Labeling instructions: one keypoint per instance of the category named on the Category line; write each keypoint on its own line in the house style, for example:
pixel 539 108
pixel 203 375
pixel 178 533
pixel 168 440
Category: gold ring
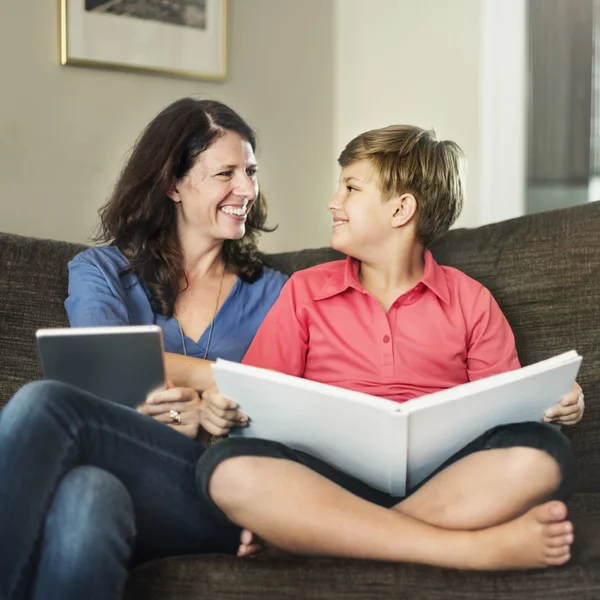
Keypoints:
pixel 175 417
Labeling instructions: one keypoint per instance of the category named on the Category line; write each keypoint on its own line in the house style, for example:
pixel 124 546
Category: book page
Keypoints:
pixel 359 434
pixel 438 430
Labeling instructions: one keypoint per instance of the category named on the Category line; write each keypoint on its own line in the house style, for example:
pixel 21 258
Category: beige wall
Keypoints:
pixel 308 76
pixel 65 130
pixel 458 66
pixel 416 62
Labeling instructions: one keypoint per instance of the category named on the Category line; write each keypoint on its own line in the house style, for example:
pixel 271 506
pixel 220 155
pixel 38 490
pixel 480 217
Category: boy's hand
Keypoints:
pixel 569 410
pixel 219 415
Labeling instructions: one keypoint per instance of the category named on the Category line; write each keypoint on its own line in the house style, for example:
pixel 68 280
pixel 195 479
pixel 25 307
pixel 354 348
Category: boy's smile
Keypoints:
pixel 337 221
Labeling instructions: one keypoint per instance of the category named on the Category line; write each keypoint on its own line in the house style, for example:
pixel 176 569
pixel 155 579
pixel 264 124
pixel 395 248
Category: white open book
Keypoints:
pixel 387 445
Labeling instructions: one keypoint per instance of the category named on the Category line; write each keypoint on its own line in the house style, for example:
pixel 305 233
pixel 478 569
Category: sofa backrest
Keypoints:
pixel 543 269
pixel 33 286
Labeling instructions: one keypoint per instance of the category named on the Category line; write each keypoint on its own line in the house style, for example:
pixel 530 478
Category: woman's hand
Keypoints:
pixel 218 414
pixel 569 410
pixel 178 407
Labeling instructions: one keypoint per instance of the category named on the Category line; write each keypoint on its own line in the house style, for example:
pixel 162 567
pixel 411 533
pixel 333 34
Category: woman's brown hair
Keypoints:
pixel 140 219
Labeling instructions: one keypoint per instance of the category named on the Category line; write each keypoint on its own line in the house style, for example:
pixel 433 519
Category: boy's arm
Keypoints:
pixel 491 347
pixel 492 351
pixel 281 343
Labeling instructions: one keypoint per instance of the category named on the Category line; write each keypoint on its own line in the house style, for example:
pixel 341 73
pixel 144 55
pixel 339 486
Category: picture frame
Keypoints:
pixel 179 38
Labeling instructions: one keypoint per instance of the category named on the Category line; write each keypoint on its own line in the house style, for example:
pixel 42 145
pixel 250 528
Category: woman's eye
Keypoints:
pixel 225 174
pixel 350 188
pixel 251 172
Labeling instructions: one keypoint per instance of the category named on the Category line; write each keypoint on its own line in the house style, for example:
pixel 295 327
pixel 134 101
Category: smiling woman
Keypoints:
pixel 180 251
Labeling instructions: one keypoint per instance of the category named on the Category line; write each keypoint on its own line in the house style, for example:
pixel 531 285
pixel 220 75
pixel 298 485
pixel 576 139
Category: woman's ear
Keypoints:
pixel 173 193
pixel 404 209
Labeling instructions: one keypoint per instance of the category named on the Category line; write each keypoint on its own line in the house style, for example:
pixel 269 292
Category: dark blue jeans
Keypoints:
pixel 88 488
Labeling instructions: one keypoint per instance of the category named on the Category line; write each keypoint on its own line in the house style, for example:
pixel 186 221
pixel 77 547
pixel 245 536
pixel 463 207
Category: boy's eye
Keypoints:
pixel 350 188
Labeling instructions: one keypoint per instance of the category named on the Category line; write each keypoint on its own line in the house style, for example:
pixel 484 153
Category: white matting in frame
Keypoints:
pixel 187 41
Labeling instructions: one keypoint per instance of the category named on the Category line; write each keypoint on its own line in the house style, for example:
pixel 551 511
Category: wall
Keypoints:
pixel 401 61
pixel 503 117
pixel 65 130
pixel 455 66
pixel 308 76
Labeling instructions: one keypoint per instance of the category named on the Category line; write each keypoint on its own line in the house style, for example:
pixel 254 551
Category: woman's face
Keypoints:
pixel 216 194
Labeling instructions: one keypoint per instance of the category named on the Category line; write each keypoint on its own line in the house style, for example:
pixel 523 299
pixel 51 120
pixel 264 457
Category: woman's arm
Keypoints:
pixel 187 371
pixel 93 300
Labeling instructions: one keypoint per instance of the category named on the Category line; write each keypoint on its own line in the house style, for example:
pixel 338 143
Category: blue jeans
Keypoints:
pixel 89 488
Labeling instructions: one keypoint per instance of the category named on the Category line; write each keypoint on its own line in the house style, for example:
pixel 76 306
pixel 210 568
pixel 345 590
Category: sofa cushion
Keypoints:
pixel 218 577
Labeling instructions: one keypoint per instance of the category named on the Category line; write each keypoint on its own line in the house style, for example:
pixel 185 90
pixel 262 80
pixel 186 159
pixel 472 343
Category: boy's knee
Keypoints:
pixel 230 472
pixel 539 450
pixel 533 464
pixel 233 479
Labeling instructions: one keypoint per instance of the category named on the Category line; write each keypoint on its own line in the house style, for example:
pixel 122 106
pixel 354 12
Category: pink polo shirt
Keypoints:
pixel 325 326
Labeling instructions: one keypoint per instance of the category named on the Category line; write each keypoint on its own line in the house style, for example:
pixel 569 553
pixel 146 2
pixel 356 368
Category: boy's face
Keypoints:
pixel 361 220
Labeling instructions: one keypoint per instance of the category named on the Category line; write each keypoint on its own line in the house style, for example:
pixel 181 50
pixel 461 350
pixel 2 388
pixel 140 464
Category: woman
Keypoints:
pixel 90 487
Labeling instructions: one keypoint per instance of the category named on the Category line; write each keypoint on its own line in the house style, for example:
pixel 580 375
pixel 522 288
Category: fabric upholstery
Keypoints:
pixel 281 576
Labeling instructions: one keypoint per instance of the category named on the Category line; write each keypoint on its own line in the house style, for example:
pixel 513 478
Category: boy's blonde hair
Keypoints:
pixel 409 159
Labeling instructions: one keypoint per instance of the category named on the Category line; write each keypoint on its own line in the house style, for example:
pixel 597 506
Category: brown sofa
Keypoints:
pixel 544 270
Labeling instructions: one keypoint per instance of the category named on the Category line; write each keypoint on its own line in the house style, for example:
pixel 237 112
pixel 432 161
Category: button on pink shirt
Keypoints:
pixel 325 326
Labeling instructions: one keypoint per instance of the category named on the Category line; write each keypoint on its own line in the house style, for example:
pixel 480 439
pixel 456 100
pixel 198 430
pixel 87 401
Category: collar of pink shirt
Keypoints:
pixel 341 280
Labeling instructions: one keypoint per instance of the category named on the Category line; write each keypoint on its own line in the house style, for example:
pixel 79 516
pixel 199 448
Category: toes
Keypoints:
pixel 558 552
pixel 560 540
pixel 550 512
pixel 255 549
pixel 249 550
pixel 246 537
pixel 558 529
pixel 558 560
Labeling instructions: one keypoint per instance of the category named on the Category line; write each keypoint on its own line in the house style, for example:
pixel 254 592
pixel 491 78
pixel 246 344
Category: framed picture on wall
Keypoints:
pixel 184 38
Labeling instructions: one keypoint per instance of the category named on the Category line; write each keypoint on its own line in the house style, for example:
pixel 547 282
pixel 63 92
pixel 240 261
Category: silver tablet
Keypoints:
pixel 122 364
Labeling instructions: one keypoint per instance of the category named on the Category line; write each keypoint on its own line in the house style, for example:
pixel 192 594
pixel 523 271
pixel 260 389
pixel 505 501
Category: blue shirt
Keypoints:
pixel 98 295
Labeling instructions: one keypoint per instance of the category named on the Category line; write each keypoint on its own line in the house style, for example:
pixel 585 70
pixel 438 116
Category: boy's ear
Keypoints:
pixel 403 208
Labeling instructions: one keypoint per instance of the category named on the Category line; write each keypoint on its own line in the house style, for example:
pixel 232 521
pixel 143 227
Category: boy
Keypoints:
pixel 389 321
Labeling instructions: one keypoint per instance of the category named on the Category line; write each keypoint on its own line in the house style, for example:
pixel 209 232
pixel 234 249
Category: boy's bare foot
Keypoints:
pixel 250 544
pixel 542 537
pixel 538 539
